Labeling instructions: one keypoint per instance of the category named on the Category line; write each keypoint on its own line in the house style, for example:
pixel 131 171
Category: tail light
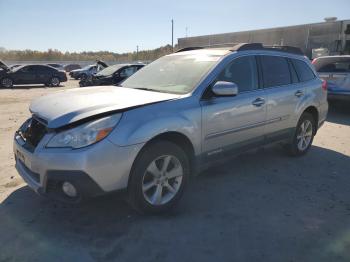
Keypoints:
pixel 324 85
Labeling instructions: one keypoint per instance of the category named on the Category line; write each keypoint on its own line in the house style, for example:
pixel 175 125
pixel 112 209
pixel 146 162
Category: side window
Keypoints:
pixel 128 71
pixel 24 69
pixel 42 69
pixel 303 70
pixel 275 71
pixel 243 72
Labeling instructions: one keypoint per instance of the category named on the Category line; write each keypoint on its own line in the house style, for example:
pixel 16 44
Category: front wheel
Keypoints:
pixel 158 177
pixel 6 82
pixel 303 135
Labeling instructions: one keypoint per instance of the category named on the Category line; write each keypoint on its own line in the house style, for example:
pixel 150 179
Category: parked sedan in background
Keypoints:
pixel 112 75
pixel 31 74
pixel 336 71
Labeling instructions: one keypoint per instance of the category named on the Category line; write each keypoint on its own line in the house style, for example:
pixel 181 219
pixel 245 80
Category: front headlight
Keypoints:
pixel 86 134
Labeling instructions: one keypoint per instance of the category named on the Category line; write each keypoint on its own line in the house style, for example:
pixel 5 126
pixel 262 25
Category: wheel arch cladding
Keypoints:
pixel 176 138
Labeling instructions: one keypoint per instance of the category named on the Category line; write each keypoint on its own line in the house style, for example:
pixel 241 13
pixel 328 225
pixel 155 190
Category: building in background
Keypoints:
pixel 330 37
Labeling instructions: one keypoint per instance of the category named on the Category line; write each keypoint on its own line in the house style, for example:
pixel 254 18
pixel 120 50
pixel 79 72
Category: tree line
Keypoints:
pixel 56 55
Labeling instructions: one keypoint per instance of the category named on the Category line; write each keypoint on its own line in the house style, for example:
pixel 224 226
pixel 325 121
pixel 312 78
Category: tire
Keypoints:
pixel 6 82
pixel 302 140
pixel 83 77
pixel 157 192
pixel 54 81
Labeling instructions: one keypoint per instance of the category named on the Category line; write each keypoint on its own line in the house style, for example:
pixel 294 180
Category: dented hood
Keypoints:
pixel 68 106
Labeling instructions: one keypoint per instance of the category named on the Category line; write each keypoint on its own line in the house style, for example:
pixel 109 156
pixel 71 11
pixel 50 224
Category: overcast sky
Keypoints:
pixel 120 26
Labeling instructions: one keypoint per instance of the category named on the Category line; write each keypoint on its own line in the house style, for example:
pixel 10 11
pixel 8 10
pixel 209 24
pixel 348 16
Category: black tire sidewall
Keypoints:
pixel 145 157
pixel 294 145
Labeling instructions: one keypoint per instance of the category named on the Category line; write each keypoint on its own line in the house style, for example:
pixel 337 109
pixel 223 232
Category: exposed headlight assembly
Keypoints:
pixel 85 134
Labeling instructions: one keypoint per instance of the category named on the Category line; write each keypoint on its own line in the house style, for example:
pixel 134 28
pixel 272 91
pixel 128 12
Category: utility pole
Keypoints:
pixel 186 31
pixel 137 52
pixel 172 34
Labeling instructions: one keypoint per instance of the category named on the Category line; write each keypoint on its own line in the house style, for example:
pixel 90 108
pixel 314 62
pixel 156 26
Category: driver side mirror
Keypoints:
pixel 223 88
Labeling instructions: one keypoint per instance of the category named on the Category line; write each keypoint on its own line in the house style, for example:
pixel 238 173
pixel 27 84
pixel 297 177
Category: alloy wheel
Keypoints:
pixel 304 135
pixel 162 180
pixel 6 82
pixel 55 81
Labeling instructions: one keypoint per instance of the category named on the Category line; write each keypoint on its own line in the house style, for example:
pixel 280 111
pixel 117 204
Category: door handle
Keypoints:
pixel 258 102
pixel 299 93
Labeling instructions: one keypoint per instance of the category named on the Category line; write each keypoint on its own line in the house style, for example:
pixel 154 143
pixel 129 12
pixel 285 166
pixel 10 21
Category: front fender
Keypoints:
pixel 141 127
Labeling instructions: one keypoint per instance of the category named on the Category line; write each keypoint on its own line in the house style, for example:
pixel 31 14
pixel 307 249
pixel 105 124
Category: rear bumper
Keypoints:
pixel 343 96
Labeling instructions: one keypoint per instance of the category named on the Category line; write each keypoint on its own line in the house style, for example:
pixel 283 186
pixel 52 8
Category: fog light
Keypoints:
pixel 69 189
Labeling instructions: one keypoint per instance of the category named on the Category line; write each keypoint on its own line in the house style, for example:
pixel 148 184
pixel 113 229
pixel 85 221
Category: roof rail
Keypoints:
pixel 288 49
pixel 260 46
pixel 205 46
pixel 249 46
pixel 189 49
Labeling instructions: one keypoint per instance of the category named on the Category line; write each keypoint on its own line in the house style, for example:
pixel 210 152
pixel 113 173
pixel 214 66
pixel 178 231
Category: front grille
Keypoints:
pixel 32 132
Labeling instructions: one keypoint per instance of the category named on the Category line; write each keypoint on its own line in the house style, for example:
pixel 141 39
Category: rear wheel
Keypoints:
pixel 158 177
pixel 6 82
pixel 303 136
pixel 54 81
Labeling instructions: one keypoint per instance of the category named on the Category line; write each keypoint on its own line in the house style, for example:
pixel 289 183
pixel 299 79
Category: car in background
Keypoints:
pixel 111 75
pixel 31 74
pixel 71 67
pixel 87 71
pixel 57 66
pixel 336 71
pixel 84 72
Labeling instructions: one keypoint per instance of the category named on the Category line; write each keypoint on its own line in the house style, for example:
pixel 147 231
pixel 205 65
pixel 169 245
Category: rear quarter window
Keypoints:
pixel 304 72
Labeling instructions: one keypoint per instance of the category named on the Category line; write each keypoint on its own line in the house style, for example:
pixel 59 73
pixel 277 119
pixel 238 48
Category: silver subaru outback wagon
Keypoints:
pixel 168 121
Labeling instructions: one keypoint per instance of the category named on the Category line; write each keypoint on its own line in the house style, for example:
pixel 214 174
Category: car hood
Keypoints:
pixel 68 106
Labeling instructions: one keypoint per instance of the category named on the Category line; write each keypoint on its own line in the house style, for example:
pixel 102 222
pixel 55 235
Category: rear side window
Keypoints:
pixel 303 70
pixel 275 71
pixel 43 69
pixel 243 72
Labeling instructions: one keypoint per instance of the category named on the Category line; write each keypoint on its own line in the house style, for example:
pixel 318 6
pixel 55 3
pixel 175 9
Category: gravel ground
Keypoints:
pixel 260 206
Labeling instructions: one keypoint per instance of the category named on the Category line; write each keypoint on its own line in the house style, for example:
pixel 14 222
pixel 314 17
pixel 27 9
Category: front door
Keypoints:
pixel 231 123
pixel 25 75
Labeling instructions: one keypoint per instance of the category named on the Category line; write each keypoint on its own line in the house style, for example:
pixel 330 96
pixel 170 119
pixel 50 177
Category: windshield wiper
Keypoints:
pixel 149 89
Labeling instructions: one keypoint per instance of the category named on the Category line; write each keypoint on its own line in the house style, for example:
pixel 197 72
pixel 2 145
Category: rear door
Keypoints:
pixel 234 122
pixel 284 93
pixel 43 74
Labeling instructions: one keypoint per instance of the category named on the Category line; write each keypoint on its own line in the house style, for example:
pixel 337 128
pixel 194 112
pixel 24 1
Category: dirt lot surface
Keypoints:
pixel 260 206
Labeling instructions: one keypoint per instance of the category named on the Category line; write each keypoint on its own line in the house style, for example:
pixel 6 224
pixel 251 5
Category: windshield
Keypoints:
pixel 109 70
pixel 177 74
